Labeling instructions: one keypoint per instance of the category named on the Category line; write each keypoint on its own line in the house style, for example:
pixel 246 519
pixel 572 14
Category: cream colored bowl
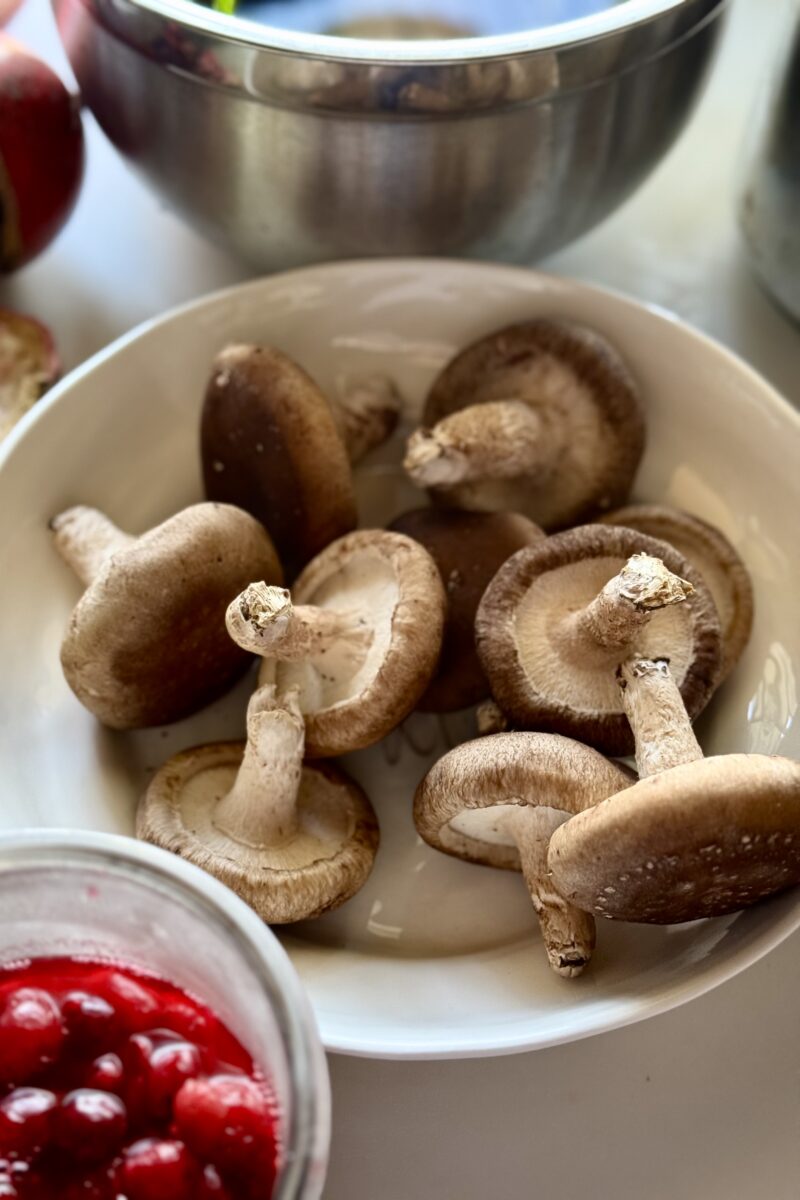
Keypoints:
pixel 434 957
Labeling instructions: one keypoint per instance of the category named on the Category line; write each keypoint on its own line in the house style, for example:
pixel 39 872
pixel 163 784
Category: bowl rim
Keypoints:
pixel 614 19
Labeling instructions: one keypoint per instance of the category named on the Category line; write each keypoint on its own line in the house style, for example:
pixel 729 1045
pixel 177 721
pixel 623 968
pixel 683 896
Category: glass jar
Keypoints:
pixel 105 897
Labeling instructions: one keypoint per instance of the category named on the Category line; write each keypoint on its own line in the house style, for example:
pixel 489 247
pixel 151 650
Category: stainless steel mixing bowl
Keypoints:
pixel 296 147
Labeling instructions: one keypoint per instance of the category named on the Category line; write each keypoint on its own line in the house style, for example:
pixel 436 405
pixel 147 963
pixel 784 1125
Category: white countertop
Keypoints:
pixel 700 1104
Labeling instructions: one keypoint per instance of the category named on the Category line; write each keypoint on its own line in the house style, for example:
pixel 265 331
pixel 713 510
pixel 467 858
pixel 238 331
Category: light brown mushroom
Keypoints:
pixel 359 637
pixel 293 839
pixel 468 548
pixel 273 444
pixel 497 801
pixel 146 643
pixel 541 418
pixel 707 549
pixel 559 616
pixel 695 837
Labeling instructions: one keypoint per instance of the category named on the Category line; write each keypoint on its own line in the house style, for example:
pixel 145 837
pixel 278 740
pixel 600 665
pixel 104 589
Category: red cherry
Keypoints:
pixel 90 1125
pixel 92 1023
pixel 158 1169
pixel 187 1020
pixel 170 1067
pixel 106 1074
pixel 227 1121
pixel 137 1006
pixel 26 1120
pixel 31 1034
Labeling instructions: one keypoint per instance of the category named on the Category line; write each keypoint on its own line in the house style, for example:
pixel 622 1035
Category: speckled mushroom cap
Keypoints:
pixel 589 428
pixel 376 583
pixel 468 549
pixel 461 804
pixel 295 840
pixel 270 444
pixel 702 839
pixel 146 644
pixel 707 549
pixel 542 679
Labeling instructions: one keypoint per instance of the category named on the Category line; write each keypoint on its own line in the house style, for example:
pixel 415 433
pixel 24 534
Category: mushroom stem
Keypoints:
pixel 611 621
pixel 260 810
pixel 654 707
pixel 501 439
pixel 567 931
pixel 367 415
pixel 490 718
pixel 264 621
pixel 86 538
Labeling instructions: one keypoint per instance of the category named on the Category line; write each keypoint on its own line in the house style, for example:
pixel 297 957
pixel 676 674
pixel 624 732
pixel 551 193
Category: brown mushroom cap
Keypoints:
pixel 384 584
pixel 287 875
pixel 460 804
pixel 497 801
pixel 146 643
pixel 702 839
pixel 707 549
pixel 539 678
pixel 468 549
pixel 270 444
pixel 592 427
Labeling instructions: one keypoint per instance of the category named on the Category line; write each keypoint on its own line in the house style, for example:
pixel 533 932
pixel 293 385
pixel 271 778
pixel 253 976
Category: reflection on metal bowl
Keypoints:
pixel 292 147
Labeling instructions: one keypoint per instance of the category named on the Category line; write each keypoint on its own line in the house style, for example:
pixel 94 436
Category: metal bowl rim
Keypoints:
pixel 616 19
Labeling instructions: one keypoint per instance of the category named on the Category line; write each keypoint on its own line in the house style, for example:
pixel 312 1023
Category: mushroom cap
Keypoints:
pixel 317 870
pixel 575 379
pixel 270 444
pixel 711 553
pixel 700 840
pixel 392 582
pixel 147 643
pixel 468 549
pixel 460 805
pixel 538 685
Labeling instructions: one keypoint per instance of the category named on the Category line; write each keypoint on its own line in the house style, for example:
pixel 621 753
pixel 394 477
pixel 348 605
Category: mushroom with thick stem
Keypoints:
pixel 468 549
pixel 273 444
pixel 541 418
pixel 359 636
pixel 557 618
pixel 695 837
pixel 293 839
pixel 707 549
pixel 146 643
pixel 497 801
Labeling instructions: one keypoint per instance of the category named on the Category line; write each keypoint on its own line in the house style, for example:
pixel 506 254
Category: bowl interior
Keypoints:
pixel 433 957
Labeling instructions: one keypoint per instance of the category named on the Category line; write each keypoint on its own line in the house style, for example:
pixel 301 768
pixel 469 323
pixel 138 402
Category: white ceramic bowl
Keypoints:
pixel 434 957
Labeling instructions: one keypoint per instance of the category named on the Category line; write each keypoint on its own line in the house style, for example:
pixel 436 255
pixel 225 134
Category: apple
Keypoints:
pixel 41 154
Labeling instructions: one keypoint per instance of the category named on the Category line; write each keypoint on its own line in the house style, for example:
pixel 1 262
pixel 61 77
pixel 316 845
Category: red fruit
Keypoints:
pixel 136 1004
pixel 158 1169
pixel 169 1068
pixel 92 1022
pixel 226 1120
pixel 28 365
pixel 41 154
pixel 90 1126
pixel 31 1034
pixel 190 1022
pixel 106 1074
pixel 25 1121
